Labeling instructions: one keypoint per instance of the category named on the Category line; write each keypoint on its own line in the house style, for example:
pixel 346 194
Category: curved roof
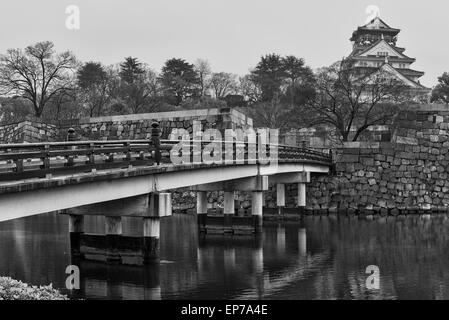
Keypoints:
pixel 377 25
pixel 378 42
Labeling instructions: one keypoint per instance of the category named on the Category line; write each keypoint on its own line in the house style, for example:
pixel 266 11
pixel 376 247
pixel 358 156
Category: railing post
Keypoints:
pixel 19 165
pixel 156 139
pixel 257 147
pixel 92 153
pixel 128 151
pixel 71 137
pixel 71 134
pixel 47 160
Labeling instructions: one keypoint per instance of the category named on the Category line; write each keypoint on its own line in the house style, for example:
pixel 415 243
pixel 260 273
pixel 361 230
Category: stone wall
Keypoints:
pixel 184 200
pixel 133 126
pixel 411 172
pixel 324 137
pixel 138 126
pixel 28 131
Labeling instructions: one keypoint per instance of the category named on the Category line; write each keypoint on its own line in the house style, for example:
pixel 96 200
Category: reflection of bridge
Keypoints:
pixel 121 178
pixel 232 267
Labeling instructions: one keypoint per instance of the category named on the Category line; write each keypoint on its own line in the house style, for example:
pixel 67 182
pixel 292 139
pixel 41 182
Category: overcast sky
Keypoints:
pixel 231 34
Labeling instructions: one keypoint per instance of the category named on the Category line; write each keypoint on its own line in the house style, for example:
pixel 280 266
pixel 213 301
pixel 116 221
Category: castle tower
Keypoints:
pixel 374 46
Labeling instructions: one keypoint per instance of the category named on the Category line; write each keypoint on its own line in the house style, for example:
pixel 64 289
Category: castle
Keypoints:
pixel 374 48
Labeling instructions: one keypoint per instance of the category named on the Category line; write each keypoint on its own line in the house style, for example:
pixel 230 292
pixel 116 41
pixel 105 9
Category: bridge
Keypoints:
pixel 134 178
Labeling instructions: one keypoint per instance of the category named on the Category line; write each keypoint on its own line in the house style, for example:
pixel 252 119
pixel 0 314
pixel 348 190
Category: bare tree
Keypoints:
pixel 37 73
pixel 223 83
pixel 272 114
pixel 203 70
pixel 63 105
pixel 351 98
pixel 249 90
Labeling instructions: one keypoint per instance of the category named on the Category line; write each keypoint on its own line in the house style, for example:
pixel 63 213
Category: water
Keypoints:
pixel 318 258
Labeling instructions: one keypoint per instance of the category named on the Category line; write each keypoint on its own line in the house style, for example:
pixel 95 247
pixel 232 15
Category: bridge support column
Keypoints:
pixel 160 206
pixel 76 229
pixel 229 210
pixel 280 197
pixel 257 209
pixel 113 226
pixel 201 209
pixel 301 194
pixel 151 235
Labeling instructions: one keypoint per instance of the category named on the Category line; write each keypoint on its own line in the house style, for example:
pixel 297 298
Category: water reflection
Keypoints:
pixel 317 258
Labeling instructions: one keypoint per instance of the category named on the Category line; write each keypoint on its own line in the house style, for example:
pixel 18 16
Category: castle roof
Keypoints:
pixel 370 71
pixel 377 25
pixel 386 46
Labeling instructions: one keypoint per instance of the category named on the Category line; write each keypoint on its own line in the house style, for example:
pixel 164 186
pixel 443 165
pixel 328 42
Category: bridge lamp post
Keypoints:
pixel 71 136
pixel 156 139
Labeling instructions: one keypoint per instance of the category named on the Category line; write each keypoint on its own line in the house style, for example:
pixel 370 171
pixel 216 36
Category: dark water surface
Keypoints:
pixel 317 258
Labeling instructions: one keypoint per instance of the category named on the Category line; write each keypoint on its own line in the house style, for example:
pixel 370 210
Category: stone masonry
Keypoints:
pixel 409 173
pixel 138 126
pixel 28 131
pixel 133 126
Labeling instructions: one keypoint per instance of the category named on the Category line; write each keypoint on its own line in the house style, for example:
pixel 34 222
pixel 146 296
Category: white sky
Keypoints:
pixel 231 34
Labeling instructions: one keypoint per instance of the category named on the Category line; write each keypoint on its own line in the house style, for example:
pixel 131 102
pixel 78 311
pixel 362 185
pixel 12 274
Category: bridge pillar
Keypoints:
pixel 229 210
pixel 151 235
pixel 160 206
pixel 301 194
pixel 76 229
pixel 113 228
pixel 280 197
pixel 257 209
pixel 201 209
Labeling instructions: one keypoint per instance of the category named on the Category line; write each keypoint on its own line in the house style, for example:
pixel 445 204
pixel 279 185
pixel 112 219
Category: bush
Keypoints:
pixel 11 289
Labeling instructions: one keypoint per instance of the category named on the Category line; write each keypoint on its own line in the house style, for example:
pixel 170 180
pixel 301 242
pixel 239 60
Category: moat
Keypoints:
pixel 319 257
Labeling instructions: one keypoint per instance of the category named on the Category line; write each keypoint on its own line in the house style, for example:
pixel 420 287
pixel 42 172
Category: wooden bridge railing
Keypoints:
pixel 37 160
